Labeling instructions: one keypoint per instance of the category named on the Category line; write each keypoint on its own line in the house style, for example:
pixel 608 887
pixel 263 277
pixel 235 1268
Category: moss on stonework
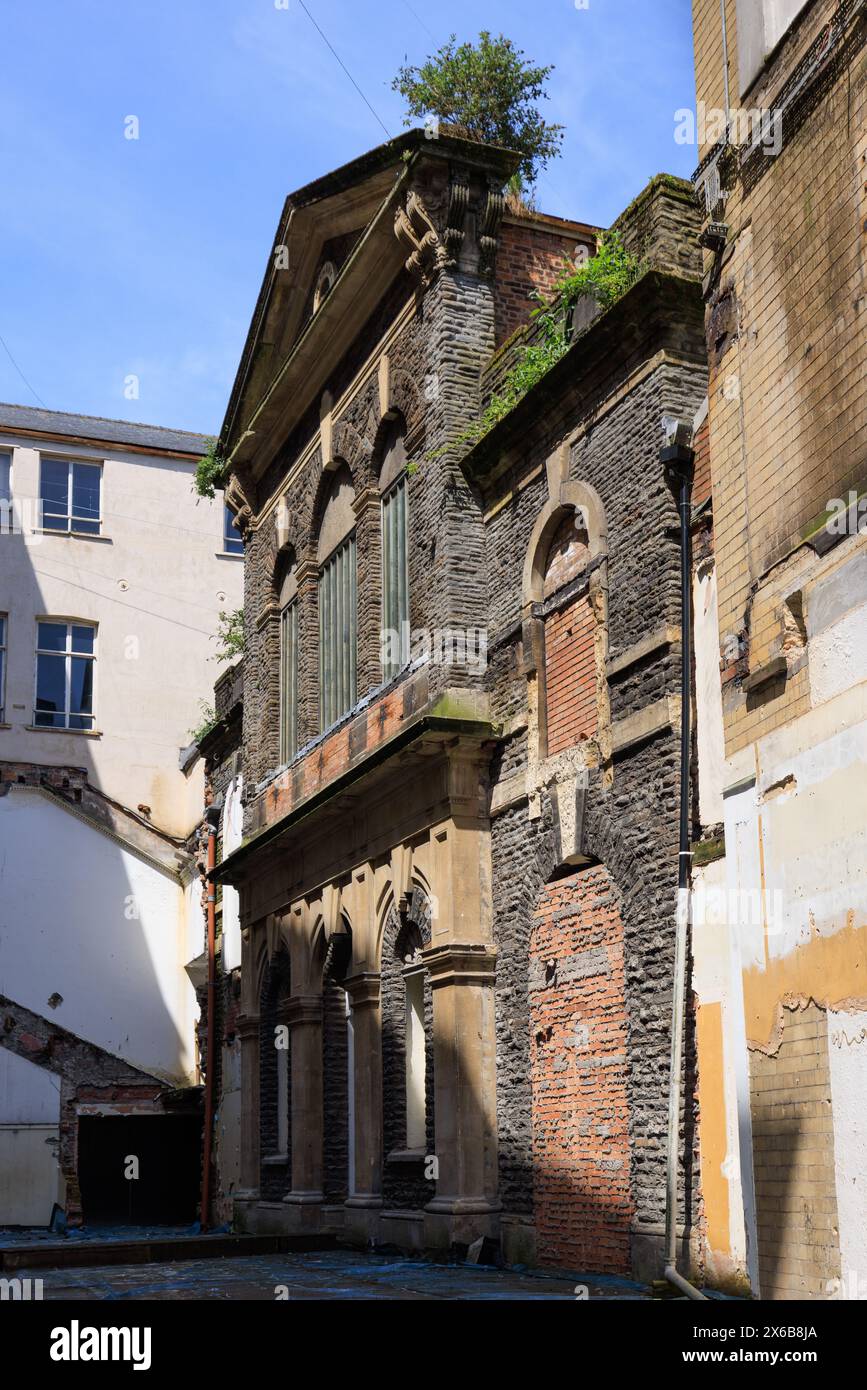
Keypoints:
pixel 454 706
pixel 707 851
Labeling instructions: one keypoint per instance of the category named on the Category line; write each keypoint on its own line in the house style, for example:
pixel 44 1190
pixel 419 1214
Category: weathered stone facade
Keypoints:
pixel 784 203
pixel 421 835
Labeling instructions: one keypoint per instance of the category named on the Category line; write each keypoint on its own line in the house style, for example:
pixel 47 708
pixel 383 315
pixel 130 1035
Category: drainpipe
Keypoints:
pixel 212 816
pixel 725 59
pixel 678 457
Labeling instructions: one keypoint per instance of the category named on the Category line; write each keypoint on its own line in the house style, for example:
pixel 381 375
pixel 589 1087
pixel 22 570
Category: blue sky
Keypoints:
pixel 144 257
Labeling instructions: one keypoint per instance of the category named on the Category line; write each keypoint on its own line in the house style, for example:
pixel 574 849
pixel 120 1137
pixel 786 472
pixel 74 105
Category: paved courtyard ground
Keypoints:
pixel 318 1275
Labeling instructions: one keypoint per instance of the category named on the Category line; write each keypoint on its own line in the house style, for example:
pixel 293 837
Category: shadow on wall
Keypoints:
pixel 571 1165
pixel 90 927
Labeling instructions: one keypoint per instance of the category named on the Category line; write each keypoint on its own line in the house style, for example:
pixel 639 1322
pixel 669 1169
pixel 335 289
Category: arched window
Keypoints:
pixel 394 637
pixel 275 1079
pixel 338 1080
pixel 407 1053
pixel 324 283
pixel 288 602
pixel 337 602
pixel 416 1107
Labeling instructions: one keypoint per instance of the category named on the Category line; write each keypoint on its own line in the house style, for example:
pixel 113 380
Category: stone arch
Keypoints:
pixel 348 446
pixel 572 497
pixel 324 284
pixel 336 475
pixel 283 573
pixel 393 422
pixel 405 396
pixel 405 987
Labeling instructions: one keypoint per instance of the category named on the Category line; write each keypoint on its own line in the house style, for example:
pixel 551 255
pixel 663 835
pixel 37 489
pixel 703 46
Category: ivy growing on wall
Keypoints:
pixel 230 635
pixel 606 277
pixel 210 470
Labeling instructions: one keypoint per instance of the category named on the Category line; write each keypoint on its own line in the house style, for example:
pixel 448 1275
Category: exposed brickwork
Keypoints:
pixel 470 531
pixel 532 257
pixel 787 336
pixel 578 1057
pixel 793 1158
pixel 570 675
pixel 86 1073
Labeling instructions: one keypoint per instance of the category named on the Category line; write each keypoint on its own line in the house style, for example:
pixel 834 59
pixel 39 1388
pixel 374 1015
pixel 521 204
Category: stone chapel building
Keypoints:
pixel 458 876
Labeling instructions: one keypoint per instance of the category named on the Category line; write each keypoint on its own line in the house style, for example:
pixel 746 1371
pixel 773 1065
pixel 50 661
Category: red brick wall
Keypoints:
pixel 701 486
pixel 581 1156
pixel 570 675
pixel 529 257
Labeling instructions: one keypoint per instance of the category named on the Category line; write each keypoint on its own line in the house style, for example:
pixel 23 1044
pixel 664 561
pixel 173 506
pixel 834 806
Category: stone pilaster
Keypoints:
pixel 248 1032
pixel 304 1017
pixel 364 991
pixel 462 976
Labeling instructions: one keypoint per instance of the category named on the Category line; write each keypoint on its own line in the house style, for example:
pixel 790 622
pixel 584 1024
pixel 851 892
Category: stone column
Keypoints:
pixel 368 533
pixel 304 1016
pixel 307 577
pixel 462 977
pixel 248 1032
pixel 364 991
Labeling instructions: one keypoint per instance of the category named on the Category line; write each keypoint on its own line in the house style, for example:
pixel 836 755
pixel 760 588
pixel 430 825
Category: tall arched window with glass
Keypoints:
pixel 337 602
pixel 395 636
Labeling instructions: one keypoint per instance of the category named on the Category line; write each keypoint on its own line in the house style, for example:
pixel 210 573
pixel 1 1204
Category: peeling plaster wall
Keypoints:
pixel 98 926
pixel 29 1139
pixel 708 697
pixel 847 1052
pixel 722 1079
pixel 796 835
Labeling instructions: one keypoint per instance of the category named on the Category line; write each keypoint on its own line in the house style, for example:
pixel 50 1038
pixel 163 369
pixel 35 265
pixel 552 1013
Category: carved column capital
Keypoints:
pixel 460 963
pixel 364 990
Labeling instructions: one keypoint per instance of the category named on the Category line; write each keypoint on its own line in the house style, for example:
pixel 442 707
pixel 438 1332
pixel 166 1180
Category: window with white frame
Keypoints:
pixel 761 24
pixel 3 621
pixel 5 477
pixel 65 660
pixel 70 493
pixel 232 541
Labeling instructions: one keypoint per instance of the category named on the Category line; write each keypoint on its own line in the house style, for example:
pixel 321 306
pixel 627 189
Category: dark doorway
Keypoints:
pixel 168 1150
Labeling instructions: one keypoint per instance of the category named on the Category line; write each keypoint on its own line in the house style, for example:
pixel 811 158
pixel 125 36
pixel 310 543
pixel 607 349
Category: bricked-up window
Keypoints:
pixel 3 622
pixel 570 641
pixel 70 493
pixel 337 634
pixel 65 661
pixel 232 542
